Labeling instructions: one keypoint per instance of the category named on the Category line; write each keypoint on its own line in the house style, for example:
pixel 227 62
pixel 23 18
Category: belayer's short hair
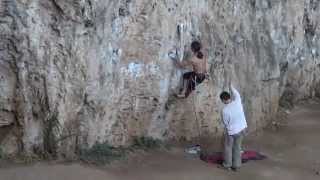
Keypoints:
pixel 224 96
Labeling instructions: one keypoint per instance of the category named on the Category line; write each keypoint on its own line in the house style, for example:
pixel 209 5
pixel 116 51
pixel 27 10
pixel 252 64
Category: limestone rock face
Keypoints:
pixel 75 72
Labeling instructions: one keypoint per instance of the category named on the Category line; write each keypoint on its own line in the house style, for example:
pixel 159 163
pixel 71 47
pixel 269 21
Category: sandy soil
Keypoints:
pixel 293 154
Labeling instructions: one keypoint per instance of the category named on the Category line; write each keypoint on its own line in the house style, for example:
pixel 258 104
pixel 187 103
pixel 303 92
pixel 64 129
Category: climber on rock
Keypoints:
pixel 199 69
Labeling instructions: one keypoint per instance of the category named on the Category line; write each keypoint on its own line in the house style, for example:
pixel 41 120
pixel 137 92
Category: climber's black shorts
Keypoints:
pixel 193 79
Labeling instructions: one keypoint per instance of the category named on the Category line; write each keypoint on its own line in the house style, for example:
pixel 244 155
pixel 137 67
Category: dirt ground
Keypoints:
pixel 293 154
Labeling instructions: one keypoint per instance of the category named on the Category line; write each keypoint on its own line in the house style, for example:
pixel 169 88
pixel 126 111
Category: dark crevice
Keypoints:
pixel 57 7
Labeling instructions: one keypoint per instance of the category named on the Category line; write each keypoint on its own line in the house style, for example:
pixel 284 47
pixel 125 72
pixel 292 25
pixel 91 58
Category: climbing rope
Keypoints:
pixel 194 108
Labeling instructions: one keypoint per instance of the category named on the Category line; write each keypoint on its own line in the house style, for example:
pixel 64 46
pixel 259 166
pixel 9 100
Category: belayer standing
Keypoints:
pixel 235 123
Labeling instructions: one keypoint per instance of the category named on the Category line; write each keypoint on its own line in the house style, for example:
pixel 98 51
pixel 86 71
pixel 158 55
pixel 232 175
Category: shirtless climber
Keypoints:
pixel 198 73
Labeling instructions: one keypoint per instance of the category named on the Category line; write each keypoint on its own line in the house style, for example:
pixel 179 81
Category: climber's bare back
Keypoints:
pixel 198 65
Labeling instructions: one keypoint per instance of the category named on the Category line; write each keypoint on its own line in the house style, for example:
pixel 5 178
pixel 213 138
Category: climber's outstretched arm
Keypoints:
pixel 180 64
pixel 235 93
pixel 174 57
pixel 206 64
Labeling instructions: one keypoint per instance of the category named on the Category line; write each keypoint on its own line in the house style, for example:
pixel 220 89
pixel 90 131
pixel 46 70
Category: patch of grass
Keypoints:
pixel 102 153
pixel 1 153
pixel 25 159
pixel 147 143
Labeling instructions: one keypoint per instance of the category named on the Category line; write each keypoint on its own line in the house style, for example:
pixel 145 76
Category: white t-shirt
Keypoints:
pixel 233 115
